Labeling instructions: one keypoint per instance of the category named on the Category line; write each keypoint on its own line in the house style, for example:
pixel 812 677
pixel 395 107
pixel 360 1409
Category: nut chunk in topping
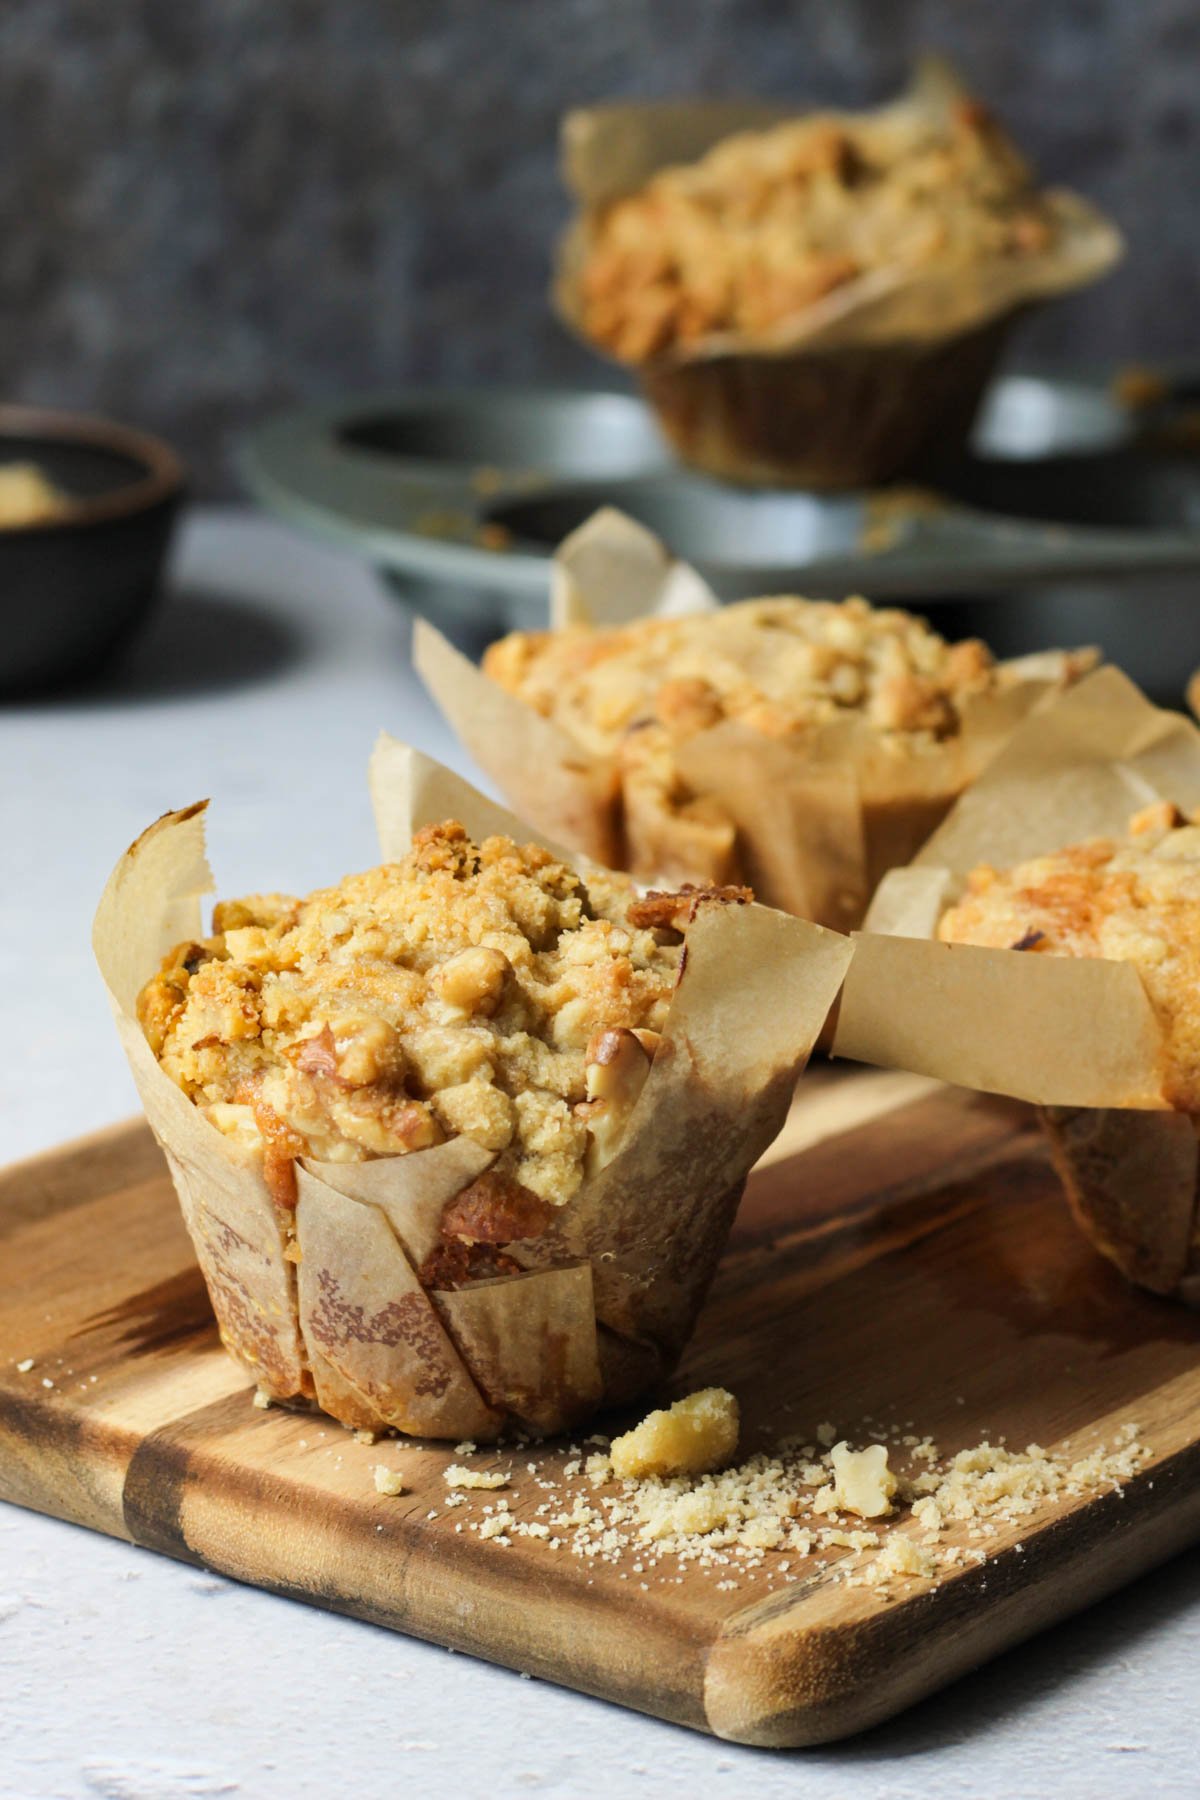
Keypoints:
pixel 693 1437
pixel 1136 901
pixel 464 991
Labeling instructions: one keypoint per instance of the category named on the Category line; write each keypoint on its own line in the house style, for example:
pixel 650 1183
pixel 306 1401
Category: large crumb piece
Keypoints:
pixel 862 1482
pixel 458 1477
pixel 694 1437
pixel 388 1481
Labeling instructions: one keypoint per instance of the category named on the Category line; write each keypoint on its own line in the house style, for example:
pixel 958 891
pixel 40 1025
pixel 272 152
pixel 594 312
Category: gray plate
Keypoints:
pixel 460 497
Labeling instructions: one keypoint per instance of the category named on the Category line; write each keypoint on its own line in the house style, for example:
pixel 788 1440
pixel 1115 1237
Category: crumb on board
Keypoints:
pixel 25 1365
pixel 791 1514
pixel 696 1436
pixel 456 1476
pixel 262 1399
pixel 862 1482
pixel 388 1481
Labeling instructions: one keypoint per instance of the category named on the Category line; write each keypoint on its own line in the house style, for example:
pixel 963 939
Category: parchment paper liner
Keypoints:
pixel 1076 1036
pixel 848 417
pixel 611 1290
pixel 900 354
pixel 812 824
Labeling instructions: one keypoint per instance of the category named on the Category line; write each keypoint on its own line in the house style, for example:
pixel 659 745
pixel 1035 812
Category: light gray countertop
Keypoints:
pixel 128 1677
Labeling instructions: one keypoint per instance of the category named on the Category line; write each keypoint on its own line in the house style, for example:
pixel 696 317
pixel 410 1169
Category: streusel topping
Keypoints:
pixel 1134 901
pixel 769 222
pixel 481 990
pixel 781 666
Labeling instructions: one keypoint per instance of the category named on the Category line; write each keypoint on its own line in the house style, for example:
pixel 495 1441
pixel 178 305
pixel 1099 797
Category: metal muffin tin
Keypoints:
pixel 459 497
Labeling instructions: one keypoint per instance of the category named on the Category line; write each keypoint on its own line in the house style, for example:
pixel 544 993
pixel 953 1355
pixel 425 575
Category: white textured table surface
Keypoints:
pixel 129 1677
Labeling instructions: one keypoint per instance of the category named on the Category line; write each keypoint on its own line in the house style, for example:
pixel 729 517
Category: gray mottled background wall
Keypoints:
pixel 212 207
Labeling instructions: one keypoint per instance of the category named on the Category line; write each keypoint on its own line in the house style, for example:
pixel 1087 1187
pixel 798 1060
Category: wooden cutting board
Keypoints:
pixel 902 1253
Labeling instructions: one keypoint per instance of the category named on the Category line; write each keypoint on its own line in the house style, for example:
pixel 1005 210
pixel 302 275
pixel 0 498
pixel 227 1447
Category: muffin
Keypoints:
pixel 816 300
pixel 1044 944
pixel 458 1139
pixel 1131 1178
pixel 801 746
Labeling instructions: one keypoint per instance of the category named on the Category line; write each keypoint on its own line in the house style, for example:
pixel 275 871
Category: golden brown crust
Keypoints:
pixel 768 223
pixel 1133 901
pixel 679 708
pixel 780 666
pixel 453 993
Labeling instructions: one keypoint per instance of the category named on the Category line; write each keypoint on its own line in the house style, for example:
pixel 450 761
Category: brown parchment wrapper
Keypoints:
pixel 861 385
pixel 811 824
pixel 1076 1036
pixel 323 1304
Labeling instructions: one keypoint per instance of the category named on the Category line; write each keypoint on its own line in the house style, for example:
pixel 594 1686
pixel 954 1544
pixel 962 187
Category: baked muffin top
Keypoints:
pixel 1134 900
pixel 768 222
pixel 779 666
pixel 482 990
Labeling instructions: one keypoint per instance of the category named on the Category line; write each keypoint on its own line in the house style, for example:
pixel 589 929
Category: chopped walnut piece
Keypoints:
pixel 1160 815
pixel 473 981
pixel 618 1062
pixel 862 1482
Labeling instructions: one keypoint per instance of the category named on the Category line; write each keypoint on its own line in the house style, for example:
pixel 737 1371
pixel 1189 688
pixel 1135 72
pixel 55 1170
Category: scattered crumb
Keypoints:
pixel 696 1436
pixel 23 1368
pixel 363 1436
pixel 466 1448
pixel 826 1435
pixel 767 1520
pixel 388 1481
pixel 900 1556
pixel 458 1477
pixel 262 1399
pixel 46 1382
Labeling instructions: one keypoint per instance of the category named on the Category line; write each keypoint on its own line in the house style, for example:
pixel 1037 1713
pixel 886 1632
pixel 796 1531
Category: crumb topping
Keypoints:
pixel 770 222
pixel 475 990
pixel 1136 900
pixel 780 666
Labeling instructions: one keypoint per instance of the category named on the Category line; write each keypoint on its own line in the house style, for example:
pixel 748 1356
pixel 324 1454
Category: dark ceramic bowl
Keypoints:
pixel 74 588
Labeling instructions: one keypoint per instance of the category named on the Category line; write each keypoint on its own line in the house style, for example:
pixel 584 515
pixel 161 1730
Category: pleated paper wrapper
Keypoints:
pixel 1077 1036
pixel 811 824
pixel 322 1304
pixel 858 386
